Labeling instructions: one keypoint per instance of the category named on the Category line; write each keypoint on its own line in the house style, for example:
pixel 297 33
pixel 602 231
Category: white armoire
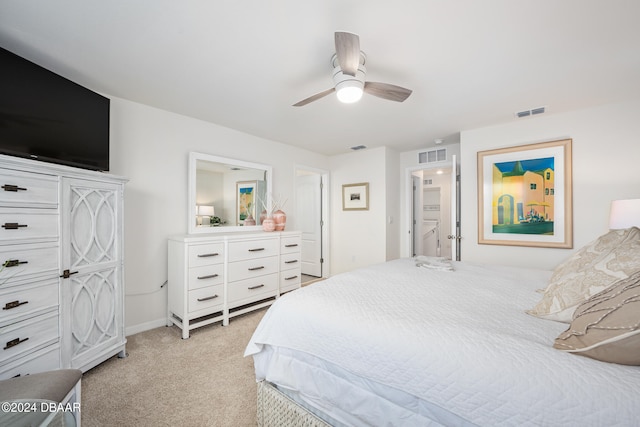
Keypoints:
pixel 62 278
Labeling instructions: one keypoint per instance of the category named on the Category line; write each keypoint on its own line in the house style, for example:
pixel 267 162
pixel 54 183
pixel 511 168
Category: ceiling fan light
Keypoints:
pixel 349 91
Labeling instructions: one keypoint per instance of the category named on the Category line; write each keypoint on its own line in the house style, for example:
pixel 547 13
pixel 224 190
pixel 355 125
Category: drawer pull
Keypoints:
pixel 207 298
pixel 14 304
pixel 66 274
pixel 14 262
pixel 293 261
pixel 291 245
pixel 255 268
pixel 11 187
pixel 256 250
pixel 207 255
pixel 255 287
pixel 291 277
pixel 12 225
pixel 209 276
pixel 14 343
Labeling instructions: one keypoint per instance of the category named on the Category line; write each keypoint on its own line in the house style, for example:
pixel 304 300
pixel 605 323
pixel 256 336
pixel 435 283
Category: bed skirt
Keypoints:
pixel 277 410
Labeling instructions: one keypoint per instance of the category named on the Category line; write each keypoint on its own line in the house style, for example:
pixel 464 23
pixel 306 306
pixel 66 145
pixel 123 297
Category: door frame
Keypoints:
pixel 326 208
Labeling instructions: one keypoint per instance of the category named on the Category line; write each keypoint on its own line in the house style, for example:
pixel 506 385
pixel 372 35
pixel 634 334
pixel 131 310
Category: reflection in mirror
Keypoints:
pixel 226 194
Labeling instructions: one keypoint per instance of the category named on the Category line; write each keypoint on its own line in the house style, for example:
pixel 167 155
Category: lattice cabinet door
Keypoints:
pixel 92 291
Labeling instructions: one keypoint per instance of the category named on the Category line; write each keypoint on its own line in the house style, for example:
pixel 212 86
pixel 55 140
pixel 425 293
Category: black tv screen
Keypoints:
pixel 47 117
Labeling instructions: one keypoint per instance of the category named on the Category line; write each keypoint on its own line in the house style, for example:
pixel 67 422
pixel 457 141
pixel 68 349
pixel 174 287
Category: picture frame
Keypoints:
pixel 246 201
pixel 355 197
pixel 525 195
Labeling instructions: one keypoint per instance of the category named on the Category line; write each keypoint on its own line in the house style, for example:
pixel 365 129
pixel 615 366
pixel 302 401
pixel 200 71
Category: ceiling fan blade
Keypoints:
pixel 314 97
pixel 387 91
pixel 348 52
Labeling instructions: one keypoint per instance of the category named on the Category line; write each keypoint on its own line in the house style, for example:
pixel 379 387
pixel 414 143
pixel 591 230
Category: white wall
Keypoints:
pixel 606 156
pixel 151 148
pixel 358 238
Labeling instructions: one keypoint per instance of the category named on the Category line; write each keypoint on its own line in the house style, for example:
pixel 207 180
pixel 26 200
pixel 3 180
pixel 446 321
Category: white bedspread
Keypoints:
pixel 455 347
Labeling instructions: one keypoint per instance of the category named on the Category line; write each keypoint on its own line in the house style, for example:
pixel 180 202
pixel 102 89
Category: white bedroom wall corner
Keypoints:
pixel 605 153
pixel 393 197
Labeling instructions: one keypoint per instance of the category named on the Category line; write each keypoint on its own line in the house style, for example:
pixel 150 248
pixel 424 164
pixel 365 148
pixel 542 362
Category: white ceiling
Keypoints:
pixel 243 63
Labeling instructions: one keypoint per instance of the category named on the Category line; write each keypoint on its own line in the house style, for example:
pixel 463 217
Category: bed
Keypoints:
pixel 405 343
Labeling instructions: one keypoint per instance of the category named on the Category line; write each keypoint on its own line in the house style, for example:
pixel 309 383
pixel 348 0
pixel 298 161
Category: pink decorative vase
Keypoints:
pixel 263 215
pixel 249 221
pixel 268 224
pixel 280 219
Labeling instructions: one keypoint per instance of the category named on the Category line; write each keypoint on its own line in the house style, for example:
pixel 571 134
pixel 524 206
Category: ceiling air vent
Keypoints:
pixel 359 147
pixel 433 156
pixel 531 112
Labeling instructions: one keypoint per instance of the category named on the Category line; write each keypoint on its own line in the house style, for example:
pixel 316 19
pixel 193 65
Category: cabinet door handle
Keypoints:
pixel 255 268
pixel 14 304
pixel 292 245
pixel 14 343
pixel 256 250
pixel 14 262
pixel 66 274
pixel 255 287
pixel 12 225
pixel 11 187
pixel 210 276
pixel 207 298
pixel 293 261
pixel 291 277
pixel 207 255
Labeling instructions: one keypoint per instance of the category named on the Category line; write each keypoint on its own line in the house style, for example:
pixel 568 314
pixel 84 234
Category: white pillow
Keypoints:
pixel 595 267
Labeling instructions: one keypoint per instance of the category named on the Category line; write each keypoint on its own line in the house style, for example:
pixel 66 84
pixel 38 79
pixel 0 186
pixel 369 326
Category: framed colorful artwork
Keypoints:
pixel 355 197
pixel 524 195
pixel 246 201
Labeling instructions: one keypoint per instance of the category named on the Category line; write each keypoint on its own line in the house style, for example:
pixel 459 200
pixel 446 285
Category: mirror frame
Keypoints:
pixel 194 157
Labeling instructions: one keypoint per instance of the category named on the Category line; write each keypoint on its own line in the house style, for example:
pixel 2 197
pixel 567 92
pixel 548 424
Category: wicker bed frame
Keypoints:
pixel 277 410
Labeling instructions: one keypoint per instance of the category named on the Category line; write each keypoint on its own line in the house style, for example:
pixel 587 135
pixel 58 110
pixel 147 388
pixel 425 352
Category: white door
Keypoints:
pixel 309 220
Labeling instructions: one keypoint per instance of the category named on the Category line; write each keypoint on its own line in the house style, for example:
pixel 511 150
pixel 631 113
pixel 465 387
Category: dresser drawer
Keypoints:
pixel 211 253
pixel 290 280
pixel 19 302
pixel 241 270
pixel 242 250
pixel 28 224
pixel 24 261
pixel 208 275
pixel 22 337
pixel 290 261
pixel 22 189
pixel 46 359
pixel 290 245
pixel 211 297
pixel 251 289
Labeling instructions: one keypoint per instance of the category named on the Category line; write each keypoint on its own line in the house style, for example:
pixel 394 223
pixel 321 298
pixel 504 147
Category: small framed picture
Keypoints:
pixel 355 197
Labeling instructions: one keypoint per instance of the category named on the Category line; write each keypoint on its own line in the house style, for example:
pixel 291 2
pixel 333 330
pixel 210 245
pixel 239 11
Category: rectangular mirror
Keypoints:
pixel 226 194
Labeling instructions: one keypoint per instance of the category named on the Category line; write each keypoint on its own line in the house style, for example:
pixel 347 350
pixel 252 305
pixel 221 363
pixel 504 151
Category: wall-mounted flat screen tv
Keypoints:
pixel 47 117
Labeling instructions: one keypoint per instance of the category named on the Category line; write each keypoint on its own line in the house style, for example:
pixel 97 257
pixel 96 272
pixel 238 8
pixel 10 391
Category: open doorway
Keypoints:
pixel 311 219
pixel 434 213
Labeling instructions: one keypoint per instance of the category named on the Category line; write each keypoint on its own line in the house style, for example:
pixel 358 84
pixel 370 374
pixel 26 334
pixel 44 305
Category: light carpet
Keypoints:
pixel 168 381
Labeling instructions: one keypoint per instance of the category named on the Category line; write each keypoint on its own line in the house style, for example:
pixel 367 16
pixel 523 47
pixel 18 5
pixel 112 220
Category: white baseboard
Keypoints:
pixel 135 329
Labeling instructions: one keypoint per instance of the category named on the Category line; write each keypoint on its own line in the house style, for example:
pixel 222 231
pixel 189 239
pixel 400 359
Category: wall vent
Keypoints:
pixel 427 182
pixel 531 112
pixel 432 156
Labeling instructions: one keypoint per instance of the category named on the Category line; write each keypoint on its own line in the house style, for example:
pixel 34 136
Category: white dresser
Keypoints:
pixel 215 277
pixel 61 284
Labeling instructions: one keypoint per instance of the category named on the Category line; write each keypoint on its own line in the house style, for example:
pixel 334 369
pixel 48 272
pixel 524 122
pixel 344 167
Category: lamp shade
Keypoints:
pixel 624 214
pixel 205 210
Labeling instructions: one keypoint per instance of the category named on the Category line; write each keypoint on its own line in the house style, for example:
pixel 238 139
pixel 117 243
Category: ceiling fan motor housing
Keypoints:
pixel 349 88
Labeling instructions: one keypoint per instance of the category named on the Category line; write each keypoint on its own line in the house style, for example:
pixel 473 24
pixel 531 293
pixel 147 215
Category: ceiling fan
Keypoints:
pixel 349 75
